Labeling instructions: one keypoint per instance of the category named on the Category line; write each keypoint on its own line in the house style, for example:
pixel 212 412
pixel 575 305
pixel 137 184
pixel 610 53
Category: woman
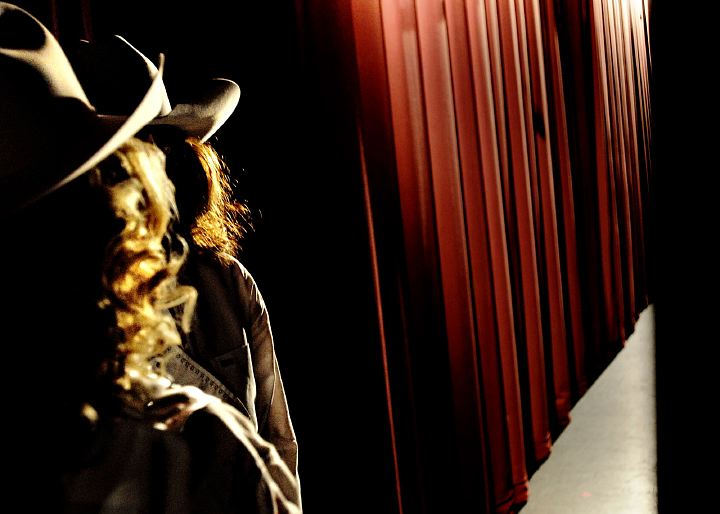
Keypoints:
pixel 231 333
pixel 91 271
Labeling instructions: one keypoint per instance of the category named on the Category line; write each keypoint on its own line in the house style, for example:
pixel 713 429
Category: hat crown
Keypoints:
pixel 49 131
pixel 25 44
pixel 40 100
pixel 114 74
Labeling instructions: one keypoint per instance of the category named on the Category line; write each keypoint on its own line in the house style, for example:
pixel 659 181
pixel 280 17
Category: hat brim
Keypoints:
pixel 211 108
pixel 108 70
pixel 118 129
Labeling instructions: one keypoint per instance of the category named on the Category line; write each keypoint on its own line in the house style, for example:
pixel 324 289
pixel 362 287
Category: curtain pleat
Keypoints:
pixel 565 204
pixel 552 298
pixel 522 241
pixel 511 488
pixel 442 107
pixel 478 242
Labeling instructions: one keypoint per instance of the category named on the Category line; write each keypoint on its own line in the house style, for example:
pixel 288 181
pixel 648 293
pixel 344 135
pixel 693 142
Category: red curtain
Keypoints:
pixel 505 160
pixel 68 20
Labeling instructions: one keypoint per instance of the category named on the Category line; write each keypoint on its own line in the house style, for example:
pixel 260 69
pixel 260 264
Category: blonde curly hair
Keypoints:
pixel 142 261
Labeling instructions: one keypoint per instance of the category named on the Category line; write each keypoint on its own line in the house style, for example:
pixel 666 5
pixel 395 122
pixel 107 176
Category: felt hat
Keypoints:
pixel 51 133
pixel 113 72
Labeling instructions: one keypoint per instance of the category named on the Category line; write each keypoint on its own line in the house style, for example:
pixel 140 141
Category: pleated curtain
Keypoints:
pixel 505 156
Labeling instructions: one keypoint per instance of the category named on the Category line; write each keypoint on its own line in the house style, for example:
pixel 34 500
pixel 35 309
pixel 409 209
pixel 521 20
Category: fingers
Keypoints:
pixel 173 406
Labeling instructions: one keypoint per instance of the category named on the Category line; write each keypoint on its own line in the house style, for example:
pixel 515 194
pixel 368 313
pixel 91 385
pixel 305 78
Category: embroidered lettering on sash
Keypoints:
pixel 185 371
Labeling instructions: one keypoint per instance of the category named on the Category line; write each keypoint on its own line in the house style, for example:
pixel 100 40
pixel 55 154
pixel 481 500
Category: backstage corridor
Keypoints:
pixel 451 221
pixel 604 461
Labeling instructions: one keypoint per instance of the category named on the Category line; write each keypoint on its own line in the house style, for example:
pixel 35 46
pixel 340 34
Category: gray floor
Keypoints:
pixel 604 461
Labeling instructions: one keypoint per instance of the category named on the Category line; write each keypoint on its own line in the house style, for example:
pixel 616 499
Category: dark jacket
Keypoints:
pixel 232 338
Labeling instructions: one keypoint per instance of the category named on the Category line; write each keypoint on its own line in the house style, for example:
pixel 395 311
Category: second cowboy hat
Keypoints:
pixel 51 133
pixel 111 68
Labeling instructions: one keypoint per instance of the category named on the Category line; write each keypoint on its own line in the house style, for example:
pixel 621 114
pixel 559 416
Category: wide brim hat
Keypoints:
pixel 113 72
pixel 51 133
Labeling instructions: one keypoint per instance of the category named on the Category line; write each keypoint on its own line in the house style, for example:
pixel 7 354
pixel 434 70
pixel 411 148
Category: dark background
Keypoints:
pixel 685 237
pixel 290 146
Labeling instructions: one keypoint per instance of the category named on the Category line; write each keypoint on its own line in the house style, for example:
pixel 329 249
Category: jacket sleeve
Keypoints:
pixel 274 422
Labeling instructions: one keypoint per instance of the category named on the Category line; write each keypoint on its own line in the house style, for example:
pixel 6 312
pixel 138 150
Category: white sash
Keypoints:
pixel 185 371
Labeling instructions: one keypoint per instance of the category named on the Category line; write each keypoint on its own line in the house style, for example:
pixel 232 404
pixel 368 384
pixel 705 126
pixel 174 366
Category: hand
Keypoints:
pixel 156 399
pixel 172 407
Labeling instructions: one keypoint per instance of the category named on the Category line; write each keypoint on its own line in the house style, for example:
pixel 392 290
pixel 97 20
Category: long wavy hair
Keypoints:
pixel 211 217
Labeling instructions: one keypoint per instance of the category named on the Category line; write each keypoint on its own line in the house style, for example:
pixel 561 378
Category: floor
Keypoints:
pixel 604 461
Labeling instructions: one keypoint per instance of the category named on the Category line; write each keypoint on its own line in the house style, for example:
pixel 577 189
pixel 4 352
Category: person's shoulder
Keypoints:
pixel 238 269
pixel 244 280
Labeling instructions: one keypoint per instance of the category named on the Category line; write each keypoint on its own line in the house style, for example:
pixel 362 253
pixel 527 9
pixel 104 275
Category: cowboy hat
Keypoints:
pixel 50 133
pixel 111 68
